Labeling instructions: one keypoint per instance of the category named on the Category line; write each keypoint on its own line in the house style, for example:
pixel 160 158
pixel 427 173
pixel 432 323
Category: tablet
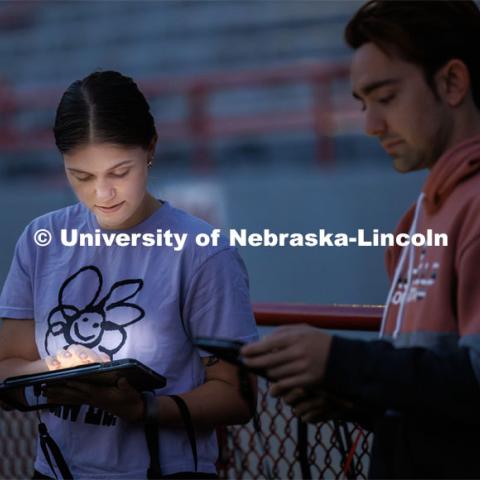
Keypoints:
pixel 226 349
pixel 138 375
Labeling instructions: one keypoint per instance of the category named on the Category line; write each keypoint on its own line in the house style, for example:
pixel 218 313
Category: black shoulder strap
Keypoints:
pixel 46 443
pixel 151 434
pixel 187 421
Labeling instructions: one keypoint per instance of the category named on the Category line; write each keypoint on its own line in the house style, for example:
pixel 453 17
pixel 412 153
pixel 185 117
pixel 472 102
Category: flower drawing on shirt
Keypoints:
pixel 98 323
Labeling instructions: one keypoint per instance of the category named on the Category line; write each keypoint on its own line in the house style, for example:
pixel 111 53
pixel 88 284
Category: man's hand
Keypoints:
pixel 122 400
pixel 315 405
pixel 292 356
pixel 73 356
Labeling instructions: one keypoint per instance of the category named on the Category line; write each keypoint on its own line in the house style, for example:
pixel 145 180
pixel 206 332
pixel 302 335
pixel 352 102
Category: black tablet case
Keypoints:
pixel 138 375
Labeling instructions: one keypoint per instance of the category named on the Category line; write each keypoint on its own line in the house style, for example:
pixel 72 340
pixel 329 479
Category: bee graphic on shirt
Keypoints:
pixel 99 323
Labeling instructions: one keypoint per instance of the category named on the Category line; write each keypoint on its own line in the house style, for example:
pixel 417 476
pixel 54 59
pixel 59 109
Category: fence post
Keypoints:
pixel 198 123
pixel 323 120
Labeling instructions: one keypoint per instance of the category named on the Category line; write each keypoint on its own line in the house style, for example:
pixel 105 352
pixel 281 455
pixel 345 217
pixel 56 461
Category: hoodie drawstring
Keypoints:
pixel 410 251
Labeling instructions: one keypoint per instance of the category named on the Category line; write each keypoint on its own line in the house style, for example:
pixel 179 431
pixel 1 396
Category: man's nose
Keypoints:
pixel 375 124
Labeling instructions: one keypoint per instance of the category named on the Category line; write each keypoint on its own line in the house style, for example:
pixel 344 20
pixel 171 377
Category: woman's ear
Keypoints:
pixel 152 146
pixel 453 82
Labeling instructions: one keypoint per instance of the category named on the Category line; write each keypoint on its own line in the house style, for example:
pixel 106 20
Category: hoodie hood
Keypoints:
pixel 454 166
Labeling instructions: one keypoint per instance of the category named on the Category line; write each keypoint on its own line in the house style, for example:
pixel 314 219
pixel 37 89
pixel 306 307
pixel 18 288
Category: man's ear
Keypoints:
pixel 453 82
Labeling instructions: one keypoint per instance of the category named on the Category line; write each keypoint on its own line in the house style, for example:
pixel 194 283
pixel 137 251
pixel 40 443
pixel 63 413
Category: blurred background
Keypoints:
pixel 257 127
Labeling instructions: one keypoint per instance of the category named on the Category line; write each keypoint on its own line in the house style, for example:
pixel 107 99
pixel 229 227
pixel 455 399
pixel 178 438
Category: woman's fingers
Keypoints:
pixel 52 363
pixel 65 395
pixel 84 355
pixel 73 356
pixel 104 357
pixel 66 359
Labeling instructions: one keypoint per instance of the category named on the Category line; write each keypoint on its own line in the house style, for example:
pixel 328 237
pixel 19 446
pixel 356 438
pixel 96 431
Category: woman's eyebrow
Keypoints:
pixel 121 164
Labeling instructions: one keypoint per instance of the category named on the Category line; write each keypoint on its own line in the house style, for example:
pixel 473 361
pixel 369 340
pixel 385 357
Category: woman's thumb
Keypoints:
pixel 123 384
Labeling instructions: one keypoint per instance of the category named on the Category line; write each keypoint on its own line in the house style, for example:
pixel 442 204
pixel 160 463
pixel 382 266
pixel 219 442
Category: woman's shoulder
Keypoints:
pixel 66 217
pixel 181 220
pixel 196 231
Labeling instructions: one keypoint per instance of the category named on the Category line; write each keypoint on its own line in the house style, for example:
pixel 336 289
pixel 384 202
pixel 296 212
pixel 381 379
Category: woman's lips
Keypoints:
pixel 111 209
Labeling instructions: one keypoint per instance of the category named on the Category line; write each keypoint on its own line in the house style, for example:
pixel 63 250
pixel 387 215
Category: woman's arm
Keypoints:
pixel 218 401
pixel 18 351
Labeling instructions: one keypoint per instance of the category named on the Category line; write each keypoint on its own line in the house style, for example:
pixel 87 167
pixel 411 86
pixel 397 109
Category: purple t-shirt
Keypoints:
pixel 143 302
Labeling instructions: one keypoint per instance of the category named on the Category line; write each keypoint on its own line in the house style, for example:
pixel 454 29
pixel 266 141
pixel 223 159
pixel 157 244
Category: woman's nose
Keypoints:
pixel 104 190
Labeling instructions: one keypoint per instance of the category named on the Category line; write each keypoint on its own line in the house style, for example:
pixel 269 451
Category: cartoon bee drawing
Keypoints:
pixel 98 324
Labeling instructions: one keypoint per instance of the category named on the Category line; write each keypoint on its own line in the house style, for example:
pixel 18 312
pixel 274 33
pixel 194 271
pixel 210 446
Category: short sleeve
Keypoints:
pixel 217 302
pixel 16 299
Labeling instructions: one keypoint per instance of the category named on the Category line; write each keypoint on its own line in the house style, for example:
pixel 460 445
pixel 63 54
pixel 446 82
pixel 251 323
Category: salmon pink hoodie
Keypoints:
pixel 434 300
pixel 418 387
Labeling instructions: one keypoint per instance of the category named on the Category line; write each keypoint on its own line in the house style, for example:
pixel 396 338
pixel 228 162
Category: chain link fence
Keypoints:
pixel 283 446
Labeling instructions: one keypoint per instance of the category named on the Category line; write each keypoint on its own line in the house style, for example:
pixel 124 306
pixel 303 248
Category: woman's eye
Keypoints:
pixel 82 179
pixel 120 174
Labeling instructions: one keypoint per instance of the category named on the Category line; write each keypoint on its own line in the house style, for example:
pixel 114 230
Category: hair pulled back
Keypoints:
pixel 104 107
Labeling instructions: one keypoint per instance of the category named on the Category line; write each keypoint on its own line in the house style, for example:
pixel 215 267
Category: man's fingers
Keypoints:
pixel 314 404
pixel 294 329
pixel 266 345
pixel 294 396
pixel 283 386
pixel 285 368
pixel 271 360
pixel 316 416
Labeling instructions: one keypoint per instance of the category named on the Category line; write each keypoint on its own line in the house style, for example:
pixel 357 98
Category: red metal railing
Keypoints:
pixel 327 112
pixel 337 317
pixel 332 450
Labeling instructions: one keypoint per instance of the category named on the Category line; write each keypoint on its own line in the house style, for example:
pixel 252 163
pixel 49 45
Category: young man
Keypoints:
pixel 416 73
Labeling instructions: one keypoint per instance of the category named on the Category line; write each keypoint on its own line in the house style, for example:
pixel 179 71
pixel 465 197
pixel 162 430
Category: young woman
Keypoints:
pixel 68 305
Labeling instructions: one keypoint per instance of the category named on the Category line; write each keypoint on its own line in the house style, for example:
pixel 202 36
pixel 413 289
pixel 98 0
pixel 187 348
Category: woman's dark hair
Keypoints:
pixel 426 33
pixel 105 107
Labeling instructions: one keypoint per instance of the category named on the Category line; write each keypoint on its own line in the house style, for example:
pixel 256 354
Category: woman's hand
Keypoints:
pixel 122 400
pixel 73 356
